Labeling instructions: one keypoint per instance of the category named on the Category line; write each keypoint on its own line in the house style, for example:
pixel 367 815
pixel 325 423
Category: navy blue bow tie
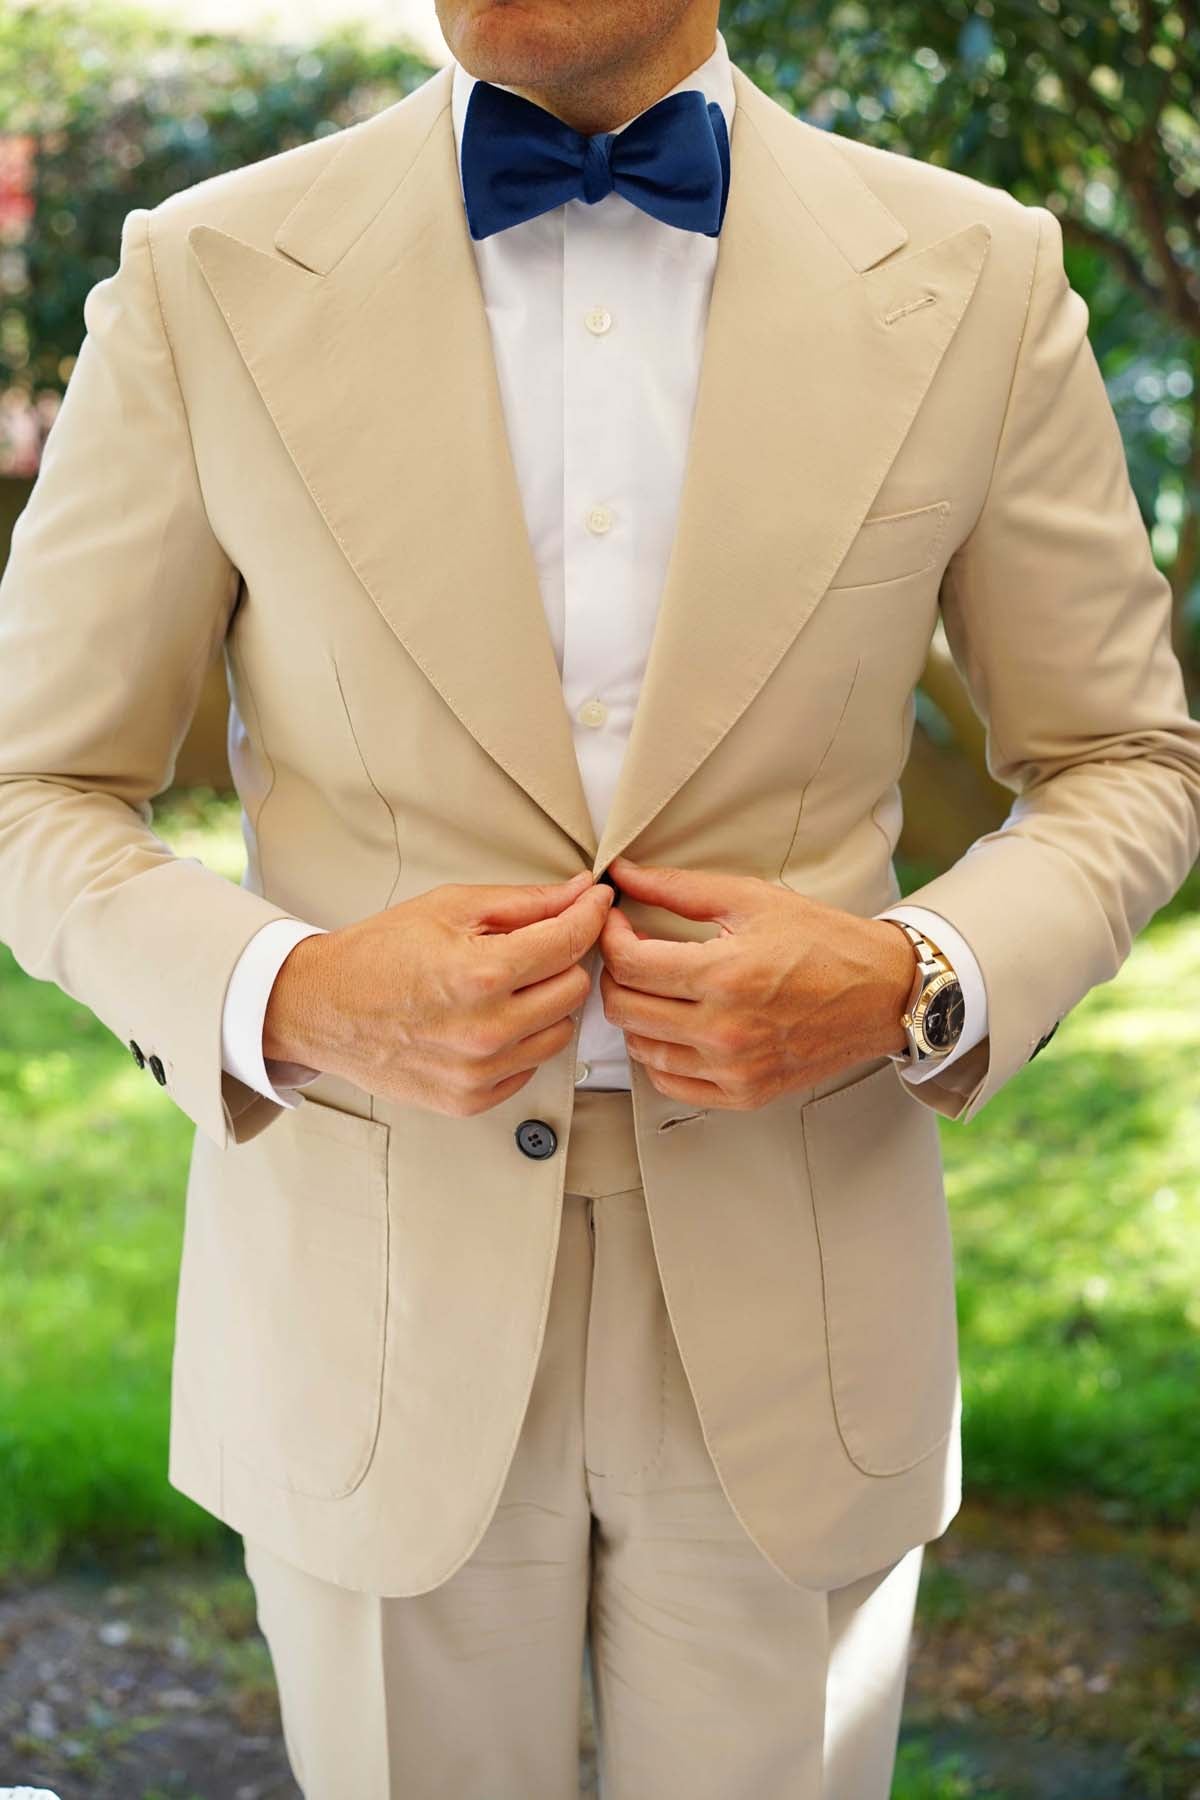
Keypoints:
pixel 519 160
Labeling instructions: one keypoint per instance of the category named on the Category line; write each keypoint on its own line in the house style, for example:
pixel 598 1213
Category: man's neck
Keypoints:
pixel 612 97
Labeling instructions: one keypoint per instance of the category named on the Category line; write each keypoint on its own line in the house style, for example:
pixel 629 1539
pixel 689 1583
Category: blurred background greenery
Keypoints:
pixel 1075 1195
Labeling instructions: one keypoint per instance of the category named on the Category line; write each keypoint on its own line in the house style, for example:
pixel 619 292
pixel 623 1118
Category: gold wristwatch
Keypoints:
pixel 933 1018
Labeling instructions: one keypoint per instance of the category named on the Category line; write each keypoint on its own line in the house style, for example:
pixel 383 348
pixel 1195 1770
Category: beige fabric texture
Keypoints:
pixel 283 438
pixel 712 1677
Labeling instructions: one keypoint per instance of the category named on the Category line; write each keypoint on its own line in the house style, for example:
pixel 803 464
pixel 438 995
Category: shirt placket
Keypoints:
pixel 599 597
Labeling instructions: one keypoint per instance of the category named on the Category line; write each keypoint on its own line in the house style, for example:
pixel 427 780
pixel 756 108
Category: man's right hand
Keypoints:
pixel 450 1000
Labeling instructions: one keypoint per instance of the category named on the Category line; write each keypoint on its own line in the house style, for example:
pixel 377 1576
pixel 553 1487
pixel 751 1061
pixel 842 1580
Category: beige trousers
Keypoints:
pixel 713 1677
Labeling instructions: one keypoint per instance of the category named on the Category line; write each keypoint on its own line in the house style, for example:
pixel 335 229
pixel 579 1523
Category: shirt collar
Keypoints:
pixel 713 78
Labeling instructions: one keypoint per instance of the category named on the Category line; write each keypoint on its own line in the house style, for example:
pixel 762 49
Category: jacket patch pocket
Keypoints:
pixel 887 1268
pixel 892 545
pixel 301 1247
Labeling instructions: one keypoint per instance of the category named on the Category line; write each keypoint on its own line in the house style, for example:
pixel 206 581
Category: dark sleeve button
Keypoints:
pixel 136 1052
pixel 1042 1042
pixel 535 1138
pixel 158 1072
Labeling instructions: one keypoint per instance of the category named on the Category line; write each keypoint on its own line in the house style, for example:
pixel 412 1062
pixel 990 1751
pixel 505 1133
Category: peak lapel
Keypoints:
pixel 806 393
pixel 369 344
pixel 368 341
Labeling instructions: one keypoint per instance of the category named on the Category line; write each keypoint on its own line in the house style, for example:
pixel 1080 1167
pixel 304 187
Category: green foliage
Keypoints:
pixel 126 109
pixel 922 1776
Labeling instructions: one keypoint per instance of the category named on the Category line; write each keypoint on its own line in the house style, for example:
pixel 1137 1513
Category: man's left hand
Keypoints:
pixel 790 992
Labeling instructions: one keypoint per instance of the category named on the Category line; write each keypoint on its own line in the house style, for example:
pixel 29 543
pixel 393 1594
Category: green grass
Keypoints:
pixel 92 1173
pixel 1076 1203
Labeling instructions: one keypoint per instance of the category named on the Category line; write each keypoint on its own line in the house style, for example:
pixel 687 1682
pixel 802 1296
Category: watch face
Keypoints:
pixel 943 1020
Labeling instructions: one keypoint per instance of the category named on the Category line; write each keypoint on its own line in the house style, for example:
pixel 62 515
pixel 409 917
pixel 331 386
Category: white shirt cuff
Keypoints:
pixel 245 1010
pixel 939 931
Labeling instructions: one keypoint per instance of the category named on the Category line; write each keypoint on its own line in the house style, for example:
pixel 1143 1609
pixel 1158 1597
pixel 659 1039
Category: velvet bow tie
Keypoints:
pixel 519 160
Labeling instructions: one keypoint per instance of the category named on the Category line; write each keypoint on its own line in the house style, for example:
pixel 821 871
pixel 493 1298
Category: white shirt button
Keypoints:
pixel 582 1071
pixel 598 320
pixel 599 518
pixel 592 712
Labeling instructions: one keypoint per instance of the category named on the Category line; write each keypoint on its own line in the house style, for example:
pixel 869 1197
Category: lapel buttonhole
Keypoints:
pixel 898 312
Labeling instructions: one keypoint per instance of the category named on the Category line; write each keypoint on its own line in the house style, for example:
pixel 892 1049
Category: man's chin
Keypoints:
pixel 514 43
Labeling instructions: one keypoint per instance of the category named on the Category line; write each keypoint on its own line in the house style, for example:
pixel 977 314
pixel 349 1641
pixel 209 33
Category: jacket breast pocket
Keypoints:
pixel 887 1269
pixel 890 546
pixel 300 1235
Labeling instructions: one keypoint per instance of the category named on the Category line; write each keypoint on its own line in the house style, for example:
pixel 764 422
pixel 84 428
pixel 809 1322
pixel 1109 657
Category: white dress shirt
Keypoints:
pixel 597 316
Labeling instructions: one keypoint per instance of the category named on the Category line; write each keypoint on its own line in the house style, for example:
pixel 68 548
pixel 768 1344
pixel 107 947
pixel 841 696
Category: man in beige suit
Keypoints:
pixel 488 1360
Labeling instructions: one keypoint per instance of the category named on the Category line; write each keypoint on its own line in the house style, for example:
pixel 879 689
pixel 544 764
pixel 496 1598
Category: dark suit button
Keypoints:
pixel 1042 1042
pixel 536 1138
pixel 608 880
pixel 158 1072
pixel 136 1050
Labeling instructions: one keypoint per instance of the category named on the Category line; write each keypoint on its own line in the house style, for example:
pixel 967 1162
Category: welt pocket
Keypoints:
pixel 891 545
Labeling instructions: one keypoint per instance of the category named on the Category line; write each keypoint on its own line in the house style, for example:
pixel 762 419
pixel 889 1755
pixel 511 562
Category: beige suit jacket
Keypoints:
pixel 284 437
